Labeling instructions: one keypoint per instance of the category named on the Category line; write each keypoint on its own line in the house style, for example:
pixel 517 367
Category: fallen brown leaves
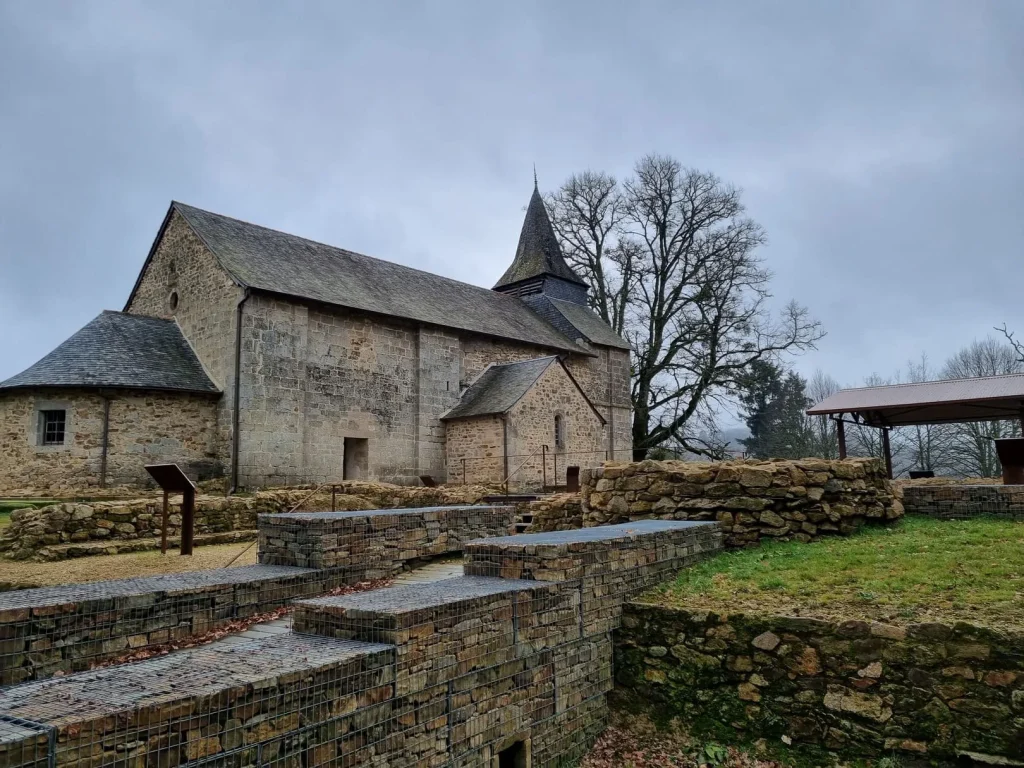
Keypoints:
pixel 234 627
pixel 635 742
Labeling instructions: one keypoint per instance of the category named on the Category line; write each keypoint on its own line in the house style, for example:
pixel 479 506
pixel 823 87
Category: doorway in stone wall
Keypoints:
pixel 356 464
pixel 516 755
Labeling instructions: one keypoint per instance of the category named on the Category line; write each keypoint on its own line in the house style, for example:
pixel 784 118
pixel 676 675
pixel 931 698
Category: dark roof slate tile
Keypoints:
pixel 499 388
pixel 273 261
pixel 538 252
pixel 118 350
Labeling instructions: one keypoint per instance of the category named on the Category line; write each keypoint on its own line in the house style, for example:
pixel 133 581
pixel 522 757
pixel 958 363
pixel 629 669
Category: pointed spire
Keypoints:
pixel 535 177
pixel 538 253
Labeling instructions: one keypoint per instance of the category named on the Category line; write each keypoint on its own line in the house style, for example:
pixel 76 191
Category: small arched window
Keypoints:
pixel 173 300
pixel 559 431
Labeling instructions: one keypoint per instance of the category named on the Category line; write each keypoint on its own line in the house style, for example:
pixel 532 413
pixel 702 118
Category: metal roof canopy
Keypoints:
pixel 989 398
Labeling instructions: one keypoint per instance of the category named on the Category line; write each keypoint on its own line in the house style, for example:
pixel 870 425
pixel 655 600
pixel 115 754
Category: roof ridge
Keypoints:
pixel 931 381
pixel 343 250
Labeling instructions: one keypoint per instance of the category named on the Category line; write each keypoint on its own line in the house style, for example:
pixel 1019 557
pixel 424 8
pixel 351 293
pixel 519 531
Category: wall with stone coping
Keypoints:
pixel 51 532
pixel 861 689
pixel 55 630
pixel 145 428
pixel 962 502
pixel 801 500
pixel 451 673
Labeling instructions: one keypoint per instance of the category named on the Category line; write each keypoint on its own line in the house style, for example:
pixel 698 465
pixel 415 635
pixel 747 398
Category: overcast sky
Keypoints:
pixel 880 143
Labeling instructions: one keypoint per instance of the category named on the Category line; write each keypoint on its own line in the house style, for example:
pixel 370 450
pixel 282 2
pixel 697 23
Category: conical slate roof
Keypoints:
pixel 120 350
pixel 538 252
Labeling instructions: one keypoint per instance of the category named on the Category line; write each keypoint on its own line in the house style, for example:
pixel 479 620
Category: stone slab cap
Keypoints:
pixel 183 677
pixel 452 596
pixel 596 535
pixel 21 599
pixel 290 517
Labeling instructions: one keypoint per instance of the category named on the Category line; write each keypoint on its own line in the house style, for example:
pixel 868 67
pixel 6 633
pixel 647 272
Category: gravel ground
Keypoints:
pixel 103 567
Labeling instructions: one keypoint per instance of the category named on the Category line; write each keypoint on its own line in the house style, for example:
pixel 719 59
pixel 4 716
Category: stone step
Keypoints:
pixel 120 547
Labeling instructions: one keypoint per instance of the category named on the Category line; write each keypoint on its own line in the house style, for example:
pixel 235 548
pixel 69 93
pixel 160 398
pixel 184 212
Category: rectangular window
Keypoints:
pixel 51 427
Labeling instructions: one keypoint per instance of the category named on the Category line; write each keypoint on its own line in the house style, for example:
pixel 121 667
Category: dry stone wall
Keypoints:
pixel 927 691
pixel 801 500
pixel 68 529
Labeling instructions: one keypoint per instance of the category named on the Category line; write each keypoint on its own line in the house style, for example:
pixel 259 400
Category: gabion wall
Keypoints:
pixel 962 502
pixel 472 671
pixel 69 629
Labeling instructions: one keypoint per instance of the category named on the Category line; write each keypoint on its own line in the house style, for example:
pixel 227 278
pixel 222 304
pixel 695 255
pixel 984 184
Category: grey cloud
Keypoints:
pixel 880 144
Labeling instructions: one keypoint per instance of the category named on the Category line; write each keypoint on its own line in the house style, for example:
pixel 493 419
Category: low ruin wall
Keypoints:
pixel 857 688
pixel 802 500
pixel 377 544
pixel 64 530
pixel 962 502
pixel 466 672
pixel 55 630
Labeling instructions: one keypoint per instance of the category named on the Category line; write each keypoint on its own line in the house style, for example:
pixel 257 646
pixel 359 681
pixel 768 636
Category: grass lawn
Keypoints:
pixel 914 571
pixel 124 566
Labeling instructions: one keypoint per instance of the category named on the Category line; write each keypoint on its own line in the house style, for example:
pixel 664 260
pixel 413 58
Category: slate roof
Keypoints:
pixel 272 261
pixel 122 351
pixel 499 388
pixel 538 252
pixel 575 320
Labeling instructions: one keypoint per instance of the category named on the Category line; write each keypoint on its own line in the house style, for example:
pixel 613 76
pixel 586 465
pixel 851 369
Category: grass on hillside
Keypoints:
pixel 914 571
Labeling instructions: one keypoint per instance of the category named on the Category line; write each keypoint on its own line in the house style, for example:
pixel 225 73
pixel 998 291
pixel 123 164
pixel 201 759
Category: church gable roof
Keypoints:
pixel 538 252
pixel 272 261
pixel 120 351
pixel 499 388
pixel 575 320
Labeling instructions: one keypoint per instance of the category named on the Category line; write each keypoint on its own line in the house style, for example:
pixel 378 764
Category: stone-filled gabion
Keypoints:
pixel 377 544
pixel 54 630
pixel 801 500
pixel 468 669
pixel 962 502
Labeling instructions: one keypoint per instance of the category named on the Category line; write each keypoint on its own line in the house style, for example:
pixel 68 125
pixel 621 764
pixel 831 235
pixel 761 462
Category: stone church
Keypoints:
pixel 268 359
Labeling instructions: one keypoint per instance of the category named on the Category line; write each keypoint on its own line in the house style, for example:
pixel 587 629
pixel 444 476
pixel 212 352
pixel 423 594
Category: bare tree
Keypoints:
pixel 926 444
pixel 971 450
pixel 674 265
pixel 1018 346
pixel 824 442
pixel 867 441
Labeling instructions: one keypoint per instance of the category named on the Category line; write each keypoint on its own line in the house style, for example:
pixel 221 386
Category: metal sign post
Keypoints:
pixel 172 480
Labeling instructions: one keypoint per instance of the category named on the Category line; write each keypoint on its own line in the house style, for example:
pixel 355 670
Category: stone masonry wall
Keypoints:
pixel 531 424
pixel 375 544
pixel 207 298
pixel 475 450
pixel 34 529
pixel 783 500
pixel 962 502
pixel 50 532
pixel 927 691
pixel 145 428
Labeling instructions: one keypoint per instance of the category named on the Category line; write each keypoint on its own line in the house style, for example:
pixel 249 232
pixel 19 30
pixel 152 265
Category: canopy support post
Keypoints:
pixel 841 434
pixel 887 450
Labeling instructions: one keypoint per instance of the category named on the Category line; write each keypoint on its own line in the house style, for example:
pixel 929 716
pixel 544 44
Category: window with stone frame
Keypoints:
pixel 559 431
pixel 52 424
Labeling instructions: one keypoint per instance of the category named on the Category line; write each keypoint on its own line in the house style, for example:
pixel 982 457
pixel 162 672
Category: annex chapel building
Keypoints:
pixel 270 359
